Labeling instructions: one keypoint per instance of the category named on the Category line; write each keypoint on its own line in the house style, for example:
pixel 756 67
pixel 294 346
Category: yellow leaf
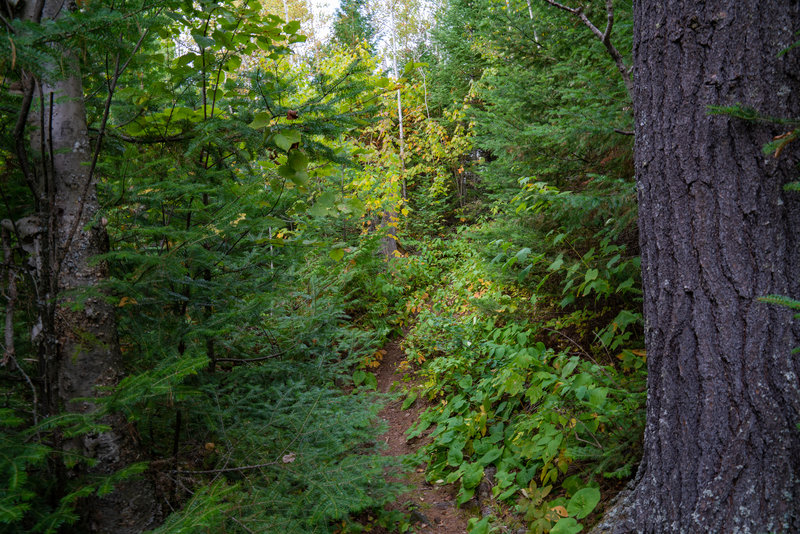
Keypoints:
pixel 124 301
pixel 560 510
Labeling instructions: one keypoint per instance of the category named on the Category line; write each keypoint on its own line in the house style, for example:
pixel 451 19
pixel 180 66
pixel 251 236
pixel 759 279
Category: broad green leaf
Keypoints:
pixel 233 63
pixel 286 138
pixel 185 59
pixel 409 400
pixel 261 119
pixel 326 199
pixel 597 397
pixel 478 527
pixel 570 366
pixel 493 454
pixel 298 160
pixel 464 495
pixel 583 502
pixel 455 455
pixel 591 274
pixel 300 178
pixel 318 210
pixel 336 254
pixel 566 525
pixel 557 263
pixel 203 41
pixel 352 205
pixel 514 384
pixel 473 474
pixel 291 27
pixel 371 381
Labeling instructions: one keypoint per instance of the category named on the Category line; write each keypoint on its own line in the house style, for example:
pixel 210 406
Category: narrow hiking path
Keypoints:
pixel 433 506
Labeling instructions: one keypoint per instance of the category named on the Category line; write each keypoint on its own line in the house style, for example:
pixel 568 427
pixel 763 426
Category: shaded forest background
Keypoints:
pixel 278 206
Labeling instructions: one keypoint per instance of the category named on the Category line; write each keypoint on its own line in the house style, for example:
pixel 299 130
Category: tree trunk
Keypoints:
pixel 81 349
pixel 717 231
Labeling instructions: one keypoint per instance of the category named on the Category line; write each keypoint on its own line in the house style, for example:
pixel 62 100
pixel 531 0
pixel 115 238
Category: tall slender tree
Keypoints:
pixel 76 331
pixel 717 231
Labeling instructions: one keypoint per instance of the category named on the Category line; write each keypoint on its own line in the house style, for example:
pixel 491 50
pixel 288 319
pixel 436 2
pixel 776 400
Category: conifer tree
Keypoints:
pixel 352 25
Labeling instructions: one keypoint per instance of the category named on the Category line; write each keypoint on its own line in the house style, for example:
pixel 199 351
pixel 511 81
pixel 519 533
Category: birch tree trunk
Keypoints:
pixel 79 349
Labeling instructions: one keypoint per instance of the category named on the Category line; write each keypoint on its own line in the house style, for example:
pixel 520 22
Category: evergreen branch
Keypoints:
pixel 152 140
pixel 242 361
pixel 781 300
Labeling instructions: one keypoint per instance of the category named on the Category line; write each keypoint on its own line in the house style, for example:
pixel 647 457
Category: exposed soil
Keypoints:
pixel 433 506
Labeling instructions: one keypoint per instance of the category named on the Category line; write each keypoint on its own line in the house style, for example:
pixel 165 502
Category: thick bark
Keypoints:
pixel 717 231
pixel 80 347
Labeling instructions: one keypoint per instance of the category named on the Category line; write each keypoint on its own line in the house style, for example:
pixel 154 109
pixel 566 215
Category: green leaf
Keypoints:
pixel 583 502
pixel 566 525
pixel 203 41
pixel 371 381
pixel 464 495
pixel 455 455
pixel 493 454
pixel 260 120
pixel 286 138
pixel 291 27
pixel 570 366
pixel 300 178
pixel 557 263
pixel 473 474
pixel 478 527
pixel 358 376
pixel 336 254
pixel 409 400
pixel 233 63
pixel 591 274
pixel 298 161
pixel 352 205
pixel 597 397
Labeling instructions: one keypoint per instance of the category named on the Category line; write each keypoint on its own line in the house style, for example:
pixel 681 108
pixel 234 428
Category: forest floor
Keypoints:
pixel 432 506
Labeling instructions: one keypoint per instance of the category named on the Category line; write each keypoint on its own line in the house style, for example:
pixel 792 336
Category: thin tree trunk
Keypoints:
pixel 721 446
pixel 80 345
pixel 399 111
pixel 535 34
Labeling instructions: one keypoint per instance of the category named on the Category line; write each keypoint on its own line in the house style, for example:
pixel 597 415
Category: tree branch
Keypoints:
pixel 604 36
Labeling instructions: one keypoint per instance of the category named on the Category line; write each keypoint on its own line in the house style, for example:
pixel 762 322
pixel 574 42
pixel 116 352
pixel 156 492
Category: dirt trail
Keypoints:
pixel 434 505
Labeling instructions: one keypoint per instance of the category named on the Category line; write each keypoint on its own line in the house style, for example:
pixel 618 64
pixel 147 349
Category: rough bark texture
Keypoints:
pixel 717 231
pixel 82 350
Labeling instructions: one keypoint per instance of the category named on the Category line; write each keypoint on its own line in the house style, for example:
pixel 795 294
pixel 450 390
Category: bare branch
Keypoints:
pixel 604 36
pixel 19 130
pixel 225 469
